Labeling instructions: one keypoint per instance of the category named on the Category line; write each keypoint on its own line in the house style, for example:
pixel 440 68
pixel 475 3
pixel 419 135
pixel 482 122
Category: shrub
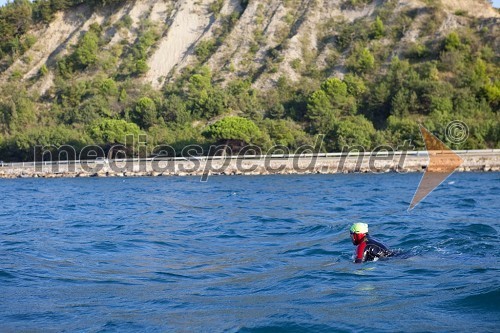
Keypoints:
pixel 44 70
pixel 361 61
pixel 127 21
pixel 205 49
pixel 216 6
pixel 417 51
pixel 141 67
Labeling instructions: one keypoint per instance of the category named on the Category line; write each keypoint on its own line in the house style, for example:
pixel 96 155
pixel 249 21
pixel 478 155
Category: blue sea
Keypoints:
pixel 248 254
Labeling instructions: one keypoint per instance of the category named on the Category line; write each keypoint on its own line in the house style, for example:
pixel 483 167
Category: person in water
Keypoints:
pixel 367 248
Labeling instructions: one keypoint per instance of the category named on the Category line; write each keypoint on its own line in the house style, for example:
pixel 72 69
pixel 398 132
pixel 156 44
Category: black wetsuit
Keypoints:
pixel 370 249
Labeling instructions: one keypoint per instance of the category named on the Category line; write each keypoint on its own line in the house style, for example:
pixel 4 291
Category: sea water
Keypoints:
pixel 248 253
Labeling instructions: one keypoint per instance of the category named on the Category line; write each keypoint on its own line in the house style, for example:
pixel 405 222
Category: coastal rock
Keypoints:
pixel 490 162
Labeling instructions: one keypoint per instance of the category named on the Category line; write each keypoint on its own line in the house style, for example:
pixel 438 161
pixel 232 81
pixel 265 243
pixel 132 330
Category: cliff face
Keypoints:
pixel 257 39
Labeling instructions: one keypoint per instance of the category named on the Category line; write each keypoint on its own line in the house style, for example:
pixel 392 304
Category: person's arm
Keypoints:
pixel 381 249
pixel 360 253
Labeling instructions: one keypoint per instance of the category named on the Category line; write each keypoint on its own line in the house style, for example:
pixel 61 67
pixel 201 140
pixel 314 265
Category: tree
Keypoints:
pixel 276 111
pixel 86 112
pixel 361 61
pixel 59 4
pixel 112 131
pixel 20 146
pixel 286 133
pixel 329 103
pixel 320 112
pixel 492 93
pixel 340 98
pixel 175 110
pixel 436 96
pixel 355 85
pixel 17 108
pixel 205 49
pixel 353 131
pixel 205 100
pixel 242 97
pixel 107 87
pixel 399 104
pixel 15 20
pixel 475 77
pixel 42 11
pixel 379 102
pixel 145 114
pixel 377 28
pixel 234 128
pixel 214 104
pixel 87 50
pixel 201 80
pixel 335 89
pixel 403 129
pixel 123 96
pixel 141 67
pixel 452 42
pixel 493 133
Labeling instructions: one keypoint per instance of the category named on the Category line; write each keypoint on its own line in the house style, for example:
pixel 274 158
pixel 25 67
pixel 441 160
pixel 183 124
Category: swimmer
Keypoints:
pixel 367 248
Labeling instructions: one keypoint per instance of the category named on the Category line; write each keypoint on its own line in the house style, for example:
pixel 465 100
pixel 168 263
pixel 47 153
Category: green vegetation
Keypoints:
pixel 205 49
pixel 112 131
pixel 234 128
pixel 386 88
pixel 216 6
pixel 18 16
pixel 361 61
pixel 356 3
pixel 136 55
pixel 378 29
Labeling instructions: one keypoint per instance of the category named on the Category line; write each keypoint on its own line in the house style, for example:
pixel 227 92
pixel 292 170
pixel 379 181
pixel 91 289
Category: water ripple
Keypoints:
pixel 247 254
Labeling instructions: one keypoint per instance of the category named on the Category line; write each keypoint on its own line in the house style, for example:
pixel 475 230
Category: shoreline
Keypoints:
pixel 400 162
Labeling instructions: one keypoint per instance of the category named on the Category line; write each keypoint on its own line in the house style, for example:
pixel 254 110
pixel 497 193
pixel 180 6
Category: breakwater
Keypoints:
pixel 403 162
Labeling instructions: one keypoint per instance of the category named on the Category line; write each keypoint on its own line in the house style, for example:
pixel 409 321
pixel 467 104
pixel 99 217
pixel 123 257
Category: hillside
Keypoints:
pixel 359 71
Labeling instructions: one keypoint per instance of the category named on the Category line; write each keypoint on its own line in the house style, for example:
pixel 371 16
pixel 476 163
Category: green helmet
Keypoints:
pixel 359 228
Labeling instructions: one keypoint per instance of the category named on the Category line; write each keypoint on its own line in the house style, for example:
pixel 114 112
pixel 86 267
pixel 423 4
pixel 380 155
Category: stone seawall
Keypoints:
pixel 487 160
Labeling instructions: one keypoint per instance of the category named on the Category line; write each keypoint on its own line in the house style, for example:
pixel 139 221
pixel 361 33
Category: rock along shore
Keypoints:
pixel 487 160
